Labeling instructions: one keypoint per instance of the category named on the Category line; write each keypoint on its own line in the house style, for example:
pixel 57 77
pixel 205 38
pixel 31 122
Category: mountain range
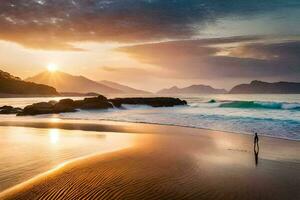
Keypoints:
pixel 60 83
pixel 123 88
pixel 260 87
pixel 193 89
pixel 64 82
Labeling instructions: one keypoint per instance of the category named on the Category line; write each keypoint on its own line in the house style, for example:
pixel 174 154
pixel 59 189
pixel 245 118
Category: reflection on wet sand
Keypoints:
pixel 170 163
pixel 26 152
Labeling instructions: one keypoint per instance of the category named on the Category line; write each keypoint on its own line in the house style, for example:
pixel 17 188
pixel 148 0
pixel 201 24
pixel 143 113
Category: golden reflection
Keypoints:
pixel 54 120
pixel 54 136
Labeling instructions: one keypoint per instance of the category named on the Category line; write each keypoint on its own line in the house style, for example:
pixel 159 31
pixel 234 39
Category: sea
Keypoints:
pixel 267 114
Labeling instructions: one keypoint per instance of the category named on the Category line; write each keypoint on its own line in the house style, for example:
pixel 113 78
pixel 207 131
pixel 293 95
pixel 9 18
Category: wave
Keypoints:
pixel 260 105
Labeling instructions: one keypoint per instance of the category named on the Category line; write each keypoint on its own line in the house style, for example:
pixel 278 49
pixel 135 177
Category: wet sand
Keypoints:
pixel 168 162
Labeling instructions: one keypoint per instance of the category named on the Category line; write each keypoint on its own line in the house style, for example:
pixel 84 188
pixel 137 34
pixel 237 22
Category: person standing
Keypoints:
pixel 256 148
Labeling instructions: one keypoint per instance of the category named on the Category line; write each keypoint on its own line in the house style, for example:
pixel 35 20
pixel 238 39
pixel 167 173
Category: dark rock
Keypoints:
pixel 154 102
pixel 9 110
pixel 99 102
pixel 78 103
pixel 97 105
pixel 37 109
pixel 53 102
pixel 67 102
pixel 100 98
pixel 5 107
pixel 116 103
pixel 61 108
pixel 64 105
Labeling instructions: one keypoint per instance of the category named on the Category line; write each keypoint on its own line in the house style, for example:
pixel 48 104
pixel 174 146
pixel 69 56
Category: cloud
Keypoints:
pixel 246 57
pixel 56 24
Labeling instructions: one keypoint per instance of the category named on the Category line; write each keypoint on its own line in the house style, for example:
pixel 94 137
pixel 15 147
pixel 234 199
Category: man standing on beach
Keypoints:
pixel 256 139
pixel 256 148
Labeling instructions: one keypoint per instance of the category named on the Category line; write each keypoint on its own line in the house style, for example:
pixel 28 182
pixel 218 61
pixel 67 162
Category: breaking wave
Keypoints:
pixel 260 105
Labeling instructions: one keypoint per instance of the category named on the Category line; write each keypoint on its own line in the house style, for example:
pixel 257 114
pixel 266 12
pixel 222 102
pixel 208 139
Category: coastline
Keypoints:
pixel 160 144
pixel 28 122
pixel 183 126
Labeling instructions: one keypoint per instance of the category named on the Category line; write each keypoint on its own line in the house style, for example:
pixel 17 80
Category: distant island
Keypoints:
pixel 11 86
pixel 193 89
pixel 260 87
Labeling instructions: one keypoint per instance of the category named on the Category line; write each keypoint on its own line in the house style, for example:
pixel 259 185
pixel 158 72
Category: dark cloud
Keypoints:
pixel 202 59
pixel 56 24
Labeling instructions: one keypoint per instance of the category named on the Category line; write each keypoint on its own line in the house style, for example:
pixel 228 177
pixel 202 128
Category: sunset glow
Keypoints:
pixel 230 45
pixel 52 67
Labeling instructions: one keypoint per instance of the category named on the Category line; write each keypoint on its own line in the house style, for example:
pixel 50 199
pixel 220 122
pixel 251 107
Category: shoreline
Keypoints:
pixel 161 140
pixel 183 126
pixel 98 121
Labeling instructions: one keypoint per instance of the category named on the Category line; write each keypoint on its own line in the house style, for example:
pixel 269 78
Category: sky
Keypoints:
pixel 153 44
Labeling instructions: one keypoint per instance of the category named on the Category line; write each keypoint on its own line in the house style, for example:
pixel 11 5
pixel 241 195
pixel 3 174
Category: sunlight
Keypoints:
pixel 54 136
pixel 52 67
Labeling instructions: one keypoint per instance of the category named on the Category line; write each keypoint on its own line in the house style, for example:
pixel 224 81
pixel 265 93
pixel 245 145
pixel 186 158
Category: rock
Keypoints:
pixel 116 103
pixel 37 109
pixel 9 110
pixel 67 102
pixel 97 105
pixel 64 105
pixel 100 98
pixel 53 102
pixel 5 107
pixel 154 102
pixel 99 102
pixel 78 103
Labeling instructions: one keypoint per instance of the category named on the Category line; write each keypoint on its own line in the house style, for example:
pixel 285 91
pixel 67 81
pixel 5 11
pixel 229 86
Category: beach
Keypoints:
pixel 167 162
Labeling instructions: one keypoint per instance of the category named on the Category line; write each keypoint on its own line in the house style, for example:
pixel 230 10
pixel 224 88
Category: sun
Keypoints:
pixel 52 67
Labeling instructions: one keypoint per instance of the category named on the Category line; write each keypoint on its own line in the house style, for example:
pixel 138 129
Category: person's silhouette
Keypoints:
pixel 256 139
pixel 256 148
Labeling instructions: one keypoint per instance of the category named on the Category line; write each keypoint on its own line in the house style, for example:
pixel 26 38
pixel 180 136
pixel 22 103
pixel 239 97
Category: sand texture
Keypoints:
pixel 169 162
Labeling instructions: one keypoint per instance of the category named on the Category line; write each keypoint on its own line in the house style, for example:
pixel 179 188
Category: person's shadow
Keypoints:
pixel 256 152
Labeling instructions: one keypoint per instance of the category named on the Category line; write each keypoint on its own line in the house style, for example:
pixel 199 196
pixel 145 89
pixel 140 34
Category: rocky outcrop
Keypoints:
pixel 9 110
pixel 66 105
pixel 154 102
pixel 100 102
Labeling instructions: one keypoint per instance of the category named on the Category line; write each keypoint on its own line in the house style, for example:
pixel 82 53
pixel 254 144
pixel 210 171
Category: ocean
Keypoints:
pixel 268 115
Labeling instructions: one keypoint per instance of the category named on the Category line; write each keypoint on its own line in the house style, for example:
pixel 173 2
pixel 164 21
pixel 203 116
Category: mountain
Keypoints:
pixel 64 82
pixel 260 87
pixel 12 85
pixel 193 89
pixel 123 88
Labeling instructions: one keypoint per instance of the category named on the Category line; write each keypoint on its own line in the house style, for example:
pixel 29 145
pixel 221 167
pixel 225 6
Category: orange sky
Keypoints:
pixel 153 44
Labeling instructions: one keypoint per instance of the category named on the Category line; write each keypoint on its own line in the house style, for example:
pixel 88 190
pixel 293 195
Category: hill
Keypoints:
pixel 12 85
pixel 64 82
pixel 260 87
pixel 124 88
pixel 193 89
